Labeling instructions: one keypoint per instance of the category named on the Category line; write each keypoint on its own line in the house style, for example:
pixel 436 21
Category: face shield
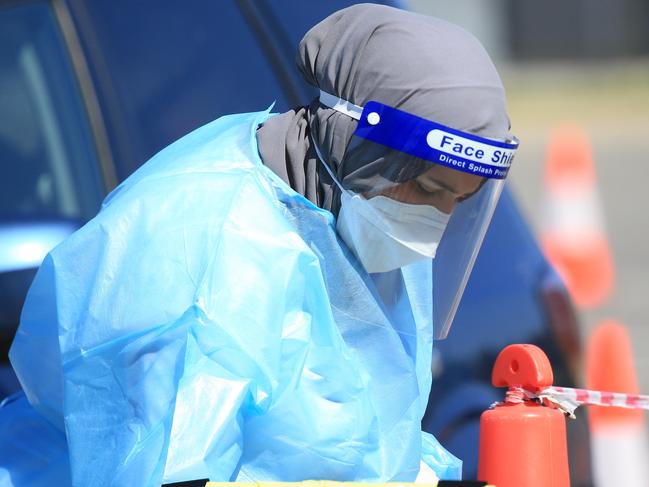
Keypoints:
pixel 414 189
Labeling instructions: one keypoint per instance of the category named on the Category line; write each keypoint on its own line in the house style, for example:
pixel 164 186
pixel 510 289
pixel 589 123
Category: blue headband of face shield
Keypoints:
pixel 428 140
pixel 434 149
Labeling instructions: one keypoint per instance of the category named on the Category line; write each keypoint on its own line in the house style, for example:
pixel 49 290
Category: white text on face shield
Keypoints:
pixel 471 167
pixel 452 161
pixel 470 149
pixel 458 147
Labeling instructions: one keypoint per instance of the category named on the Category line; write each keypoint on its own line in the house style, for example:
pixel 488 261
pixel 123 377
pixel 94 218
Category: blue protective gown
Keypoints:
pixel 208 323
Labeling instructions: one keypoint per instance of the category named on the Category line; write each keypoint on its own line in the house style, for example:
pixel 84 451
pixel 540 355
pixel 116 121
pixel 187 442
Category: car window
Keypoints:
pixel 48 166
pixel 163 69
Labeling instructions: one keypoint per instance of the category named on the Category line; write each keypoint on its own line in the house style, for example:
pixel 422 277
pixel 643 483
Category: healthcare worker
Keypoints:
pixel 259 300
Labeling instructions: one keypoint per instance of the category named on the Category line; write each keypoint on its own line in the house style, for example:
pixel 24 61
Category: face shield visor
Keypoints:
pixel 414 189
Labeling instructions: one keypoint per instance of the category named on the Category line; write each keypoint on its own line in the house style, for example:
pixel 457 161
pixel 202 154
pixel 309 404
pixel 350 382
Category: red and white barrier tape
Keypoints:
pixel 567 399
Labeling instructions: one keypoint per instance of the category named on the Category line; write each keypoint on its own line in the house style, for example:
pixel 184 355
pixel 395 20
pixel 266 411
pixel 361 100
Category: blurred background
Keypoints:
pixel 585 63
pixel 90 90
pixel 577 81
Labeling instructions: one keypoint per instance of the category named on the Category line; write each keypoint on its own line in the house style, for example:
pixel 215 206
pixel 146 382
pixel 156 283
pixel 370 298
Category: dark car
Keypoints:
pixel 91 90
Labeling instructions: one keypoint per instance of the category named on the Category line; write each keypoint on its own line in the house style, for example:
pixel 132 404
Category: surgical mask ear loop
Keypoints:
pixel 326 166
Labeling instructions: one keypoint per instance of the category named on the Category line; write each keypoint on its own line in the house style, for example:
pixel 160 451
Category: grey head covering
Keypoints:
pixel 418 64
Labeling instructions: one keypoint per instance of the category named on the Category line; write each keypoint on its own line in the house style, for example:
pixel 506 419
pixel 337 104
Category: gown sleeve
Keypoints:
pixel 155 330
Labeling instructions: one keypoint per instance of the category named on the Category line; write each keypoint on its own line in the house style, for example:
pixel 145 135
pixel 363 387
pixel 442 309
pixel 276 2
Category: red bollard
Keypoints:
pixel 523 444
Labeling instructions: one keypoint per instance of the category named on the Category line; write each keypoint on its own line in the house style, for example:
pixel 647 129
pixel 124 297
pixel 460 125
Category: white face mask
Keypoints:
pixel 386 234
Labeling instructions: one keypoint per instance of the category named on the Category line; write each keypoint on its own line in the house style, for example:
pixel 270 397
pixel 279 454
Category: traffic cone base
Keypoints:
pixel 619 456
pixel 586 268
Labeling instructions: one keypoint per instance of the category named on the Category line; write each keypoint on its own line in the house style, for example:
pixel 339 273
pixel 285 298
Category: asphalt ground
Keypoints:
pixel 610 100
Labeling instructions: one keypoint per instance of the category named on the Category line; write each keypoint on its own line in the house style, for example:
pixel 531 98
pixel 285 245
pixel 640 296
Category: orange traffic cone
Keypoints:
pixel 619 443
pixel 573 235
pixel 523 444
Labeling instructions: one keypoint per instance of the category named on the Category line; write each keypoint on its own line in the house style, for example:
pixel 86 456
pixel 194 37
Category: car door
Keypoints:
pixel 51 177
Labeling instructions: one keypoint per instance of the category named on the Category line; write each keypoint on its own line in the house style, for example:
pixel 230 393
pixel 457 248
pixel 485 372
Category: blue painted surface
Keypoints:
pixel 23 245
